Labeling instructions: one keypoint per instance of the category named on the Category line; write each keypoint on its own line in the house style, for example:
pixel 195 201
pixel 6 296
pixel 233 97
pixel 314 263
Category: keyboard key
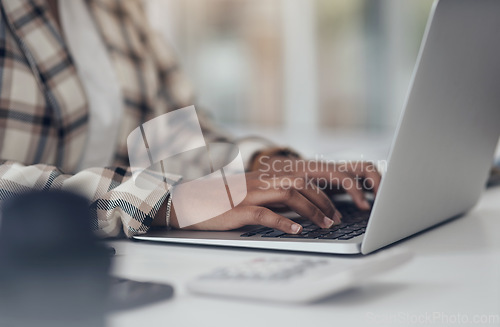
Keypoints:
pixel 275 233
pixel 248 234
pixel 310 229
pixel 359 232
pixel 331 236
pixel 348 236
pixel 317 233
pixel 264 230
pixel 335 228
pixel 293 236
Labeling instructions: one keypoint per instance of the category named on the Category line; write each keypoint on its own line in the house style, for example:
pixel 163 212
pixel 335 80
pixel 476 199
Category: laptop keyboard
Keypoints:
pixel 353 224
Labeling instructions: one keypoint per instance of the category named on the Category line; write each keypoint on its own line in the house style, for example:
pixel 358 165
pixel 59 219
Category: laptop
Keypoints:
pixel 441 154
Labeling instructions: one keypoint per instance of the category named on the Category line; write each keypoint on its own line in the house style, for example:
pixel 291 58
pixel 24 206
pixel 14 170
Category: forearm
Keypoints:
pixel 117 204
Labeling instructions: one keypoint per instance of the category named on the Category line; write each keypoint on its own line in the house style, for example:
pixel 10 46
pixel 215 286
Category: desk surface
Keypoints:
pixel 454 279
pixel 455 275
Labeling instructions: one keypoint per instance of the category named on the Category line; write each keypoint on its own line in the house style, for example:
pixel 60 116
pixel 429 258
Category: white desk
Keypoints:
pixel 453 279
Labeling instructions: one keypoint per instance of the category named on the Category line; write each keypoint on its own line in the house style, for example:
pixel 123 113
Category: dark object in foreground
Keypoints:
pixel 53 272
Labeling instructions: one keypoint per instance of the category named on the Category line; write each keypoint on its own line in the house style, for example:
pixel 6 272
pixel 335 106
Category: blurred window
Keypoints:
pixel 321 63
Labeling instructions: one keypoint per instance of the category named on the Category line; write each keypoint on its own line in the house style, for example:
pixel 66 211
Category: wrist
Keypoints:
pixel 163 218
pixel 159 218
pixel 173 219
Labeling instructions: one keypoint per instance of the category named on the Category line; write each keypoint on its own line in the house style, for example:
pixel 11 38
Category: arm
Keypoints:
pixel 116 203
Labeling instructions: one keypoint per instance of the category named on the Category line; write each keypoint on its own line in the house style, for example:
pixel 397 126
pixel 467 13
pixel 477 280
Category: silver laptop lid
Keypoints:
pixel 446 138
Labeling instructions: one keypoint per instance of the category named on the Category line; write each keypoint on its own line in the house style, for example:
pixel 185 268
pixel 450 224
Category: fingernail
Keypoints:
pixel 296 228
pixel 328 222
pixel 366 205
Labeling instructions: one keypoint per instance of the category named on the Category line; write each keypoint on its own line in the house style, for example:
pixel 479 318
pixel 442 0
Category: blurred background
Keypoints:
pixel 314 64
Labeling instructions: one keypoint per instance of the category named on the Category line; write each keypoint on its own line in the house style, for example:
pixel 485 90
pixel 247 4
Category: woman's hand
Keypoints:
pixel 355 178
pixel 263 195
pixel 284 183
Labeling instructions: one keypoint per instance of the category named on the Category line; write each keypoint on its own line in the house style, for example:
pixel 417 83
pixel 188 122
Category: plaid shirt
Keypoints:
pixel 44 110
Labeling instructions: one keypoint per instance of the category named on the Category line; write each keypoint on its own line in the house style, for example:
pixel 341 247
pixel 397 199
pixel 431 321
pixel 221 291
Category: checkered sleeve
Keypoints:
pixel 117 204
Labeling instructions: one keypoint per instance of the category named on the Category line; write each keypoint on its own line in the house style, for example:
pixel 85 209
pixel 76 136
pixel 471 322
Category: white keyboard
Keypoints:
pixel 295 279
